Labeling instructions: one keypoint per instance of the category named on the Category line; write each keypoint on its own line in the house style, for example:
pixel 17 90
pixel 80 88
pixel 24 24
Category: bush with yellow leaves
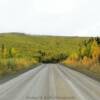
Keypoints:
pixel 86 60
pixel 22 63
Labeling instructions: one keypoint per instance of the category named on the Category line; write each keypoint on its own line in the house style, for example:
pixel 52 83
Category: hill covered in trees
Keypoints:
pixel 20 51
pixel 35 46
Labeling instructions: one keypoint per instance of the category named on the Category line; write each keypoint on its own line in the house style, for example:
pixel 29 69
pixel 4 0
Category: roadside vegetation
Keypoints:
pixel 19 52
pixel 87 58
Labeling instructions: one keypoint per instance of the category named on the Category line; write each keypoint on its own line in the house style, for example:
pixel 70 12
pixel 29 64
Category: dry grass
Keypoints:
pixel 92 70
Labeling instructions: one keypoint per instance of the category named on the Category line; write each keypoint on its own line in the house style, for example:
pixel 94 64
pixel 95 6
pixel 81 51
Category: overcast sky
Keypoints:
pixel 53 17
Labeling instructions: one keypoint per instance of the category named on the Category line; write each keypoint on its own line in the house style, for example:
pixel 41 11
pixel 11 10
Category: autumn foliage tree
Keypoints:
pixel 88 52
pixel 95 48
pixel 3 51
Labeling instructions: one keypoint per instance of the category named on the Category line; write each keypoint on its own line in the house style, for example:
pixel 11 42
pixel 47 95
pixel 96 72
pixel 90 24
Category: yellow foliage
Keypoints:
pixel 4 53
pixel 96 53
pixel 95 49
pixel 24 63
pixel 13 50
pixel 72 59
pixel 69 61
pixel 83 51
pixel 86 60
pixel 73 56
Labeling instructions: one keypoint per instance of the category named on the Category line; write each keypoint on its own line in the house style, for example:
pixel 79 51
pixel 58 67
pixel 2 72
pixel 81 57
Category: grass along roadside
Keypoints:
pixel 93 71
pixel 13 74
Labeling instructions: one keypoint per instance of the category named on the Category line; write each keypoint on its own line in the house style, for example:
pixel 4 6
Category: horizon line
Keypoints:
pixel 38 34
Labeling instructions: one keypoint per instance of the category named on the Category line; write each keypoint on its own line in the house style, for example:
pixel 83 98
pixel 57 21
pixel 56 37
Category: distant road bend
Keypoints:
pixel 50 82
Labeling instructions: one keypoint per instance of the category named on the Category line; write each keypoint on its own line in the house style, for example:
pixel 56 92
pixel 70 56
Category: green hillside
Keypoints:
pixel 19 51
pixel 27 45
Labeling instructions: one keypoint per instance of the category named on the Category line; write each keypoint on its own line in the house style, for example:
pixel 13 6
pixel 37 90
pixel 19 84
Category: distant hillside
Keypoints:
pixel 27 45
